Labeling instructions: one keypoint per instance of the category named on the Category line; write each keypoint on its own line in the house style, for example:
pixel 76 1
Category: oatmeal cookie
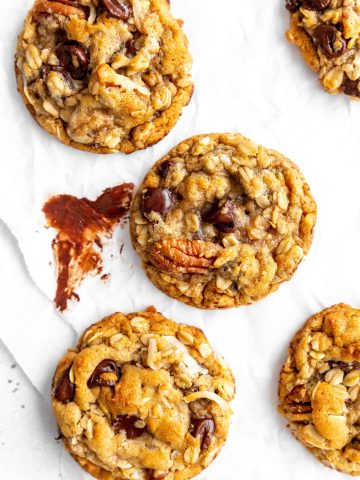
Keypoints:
pixel 328 35
pixel 319 387
pixel 104 75
pixel 142 397
pixel 221 221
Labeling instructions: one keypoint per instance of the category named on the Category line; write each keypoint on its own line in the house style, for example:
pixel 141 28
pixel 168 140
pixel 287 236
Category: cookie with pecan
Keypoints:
pixel 328 35
pixel 104 75
pixel 143 397
pixel 319 387
pixel 221 221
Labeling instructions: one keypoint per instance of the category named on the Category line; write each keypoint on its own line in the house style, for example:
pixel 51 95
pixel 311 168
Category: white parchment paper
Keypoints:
pixel 247 79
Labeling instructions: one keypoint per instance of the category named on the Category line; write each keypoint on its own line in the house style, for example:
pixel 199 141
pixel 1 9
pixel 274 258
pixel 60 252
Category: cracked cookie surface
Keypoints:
pixel 104 75
pixel 328 35
pixel 319 387
pixel 221 221
pixel 144 398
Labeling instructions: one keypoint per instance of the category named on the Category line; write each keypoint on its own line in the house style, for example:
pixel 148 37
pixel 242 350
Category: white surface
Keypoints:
pixel 248 79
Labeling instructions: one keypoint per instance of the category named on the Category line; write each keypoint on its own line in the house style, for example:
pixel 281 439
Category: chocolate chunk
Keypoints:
pixel 204 428
pixel 222 217
pixel 326 35
pixel 127 423
pixel 164 167
pixel 74 58
pixel 159 200
pixel 65 390
pixel 119 9
pixel 317 5
pixel 292 5
pixel 345 366
pixel 350 87
pixel 105 367
pixel 46 69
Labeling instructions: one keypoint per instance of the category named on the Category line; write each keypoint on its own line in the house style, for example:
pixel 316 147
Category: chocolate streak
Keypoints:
pixel 81 225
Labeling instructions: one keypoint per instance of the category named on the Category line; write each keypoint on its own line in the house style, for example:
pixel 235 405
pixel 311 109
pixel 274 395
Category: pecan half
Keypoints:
pixel 184 256
pixel 61 8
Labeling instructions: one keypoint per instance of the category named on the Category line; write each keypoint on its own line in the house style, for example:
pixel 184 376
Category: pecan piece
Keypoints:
pixel 299 394
pixel 184 256
pixel 61 8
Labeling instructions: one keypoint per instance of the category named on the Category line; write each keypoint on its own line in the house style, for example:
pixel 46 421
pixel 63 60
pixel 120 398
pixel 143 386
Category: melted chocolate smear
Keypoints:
pixel 81 226
pixel 106 366
pixel 127 423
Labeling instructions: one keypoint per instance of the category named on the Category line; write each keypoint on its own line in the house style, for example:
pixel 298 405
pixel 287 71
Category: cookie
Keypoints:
pixel 221 221
pixel 104 75
pixel 328 35
pixel 319 387
pixel 142 397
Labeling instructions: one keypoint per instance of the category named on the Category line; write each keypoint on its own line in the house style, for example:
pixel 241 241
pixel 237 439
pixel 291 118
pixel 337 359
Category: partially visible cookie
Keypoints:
pixel 104 75
pixel 319 387
pixel 221 221
pixel 328 35
pixel 144 398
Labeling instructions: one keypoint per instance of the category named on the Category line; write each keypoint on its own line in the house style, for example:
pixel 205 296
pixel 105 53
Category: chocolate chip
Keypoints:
pixel 204 428
pixel 74 58
pixel 117 8
pixel 326 35
pixel 317 5
pixel 350 87
pixel 104 367
pixel 164 167
pixel 65 390
pixel 127 423
pixel 159 200
pixel 222 217
pixel 292 5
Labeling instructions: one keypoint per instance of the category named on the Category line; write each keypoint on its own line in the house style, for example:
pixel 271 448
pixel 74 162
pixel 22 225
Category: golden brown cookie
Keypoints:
pixel 221 221
pixel 104 75
pixel 328 35
pixel 142 397
pixel 319 387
